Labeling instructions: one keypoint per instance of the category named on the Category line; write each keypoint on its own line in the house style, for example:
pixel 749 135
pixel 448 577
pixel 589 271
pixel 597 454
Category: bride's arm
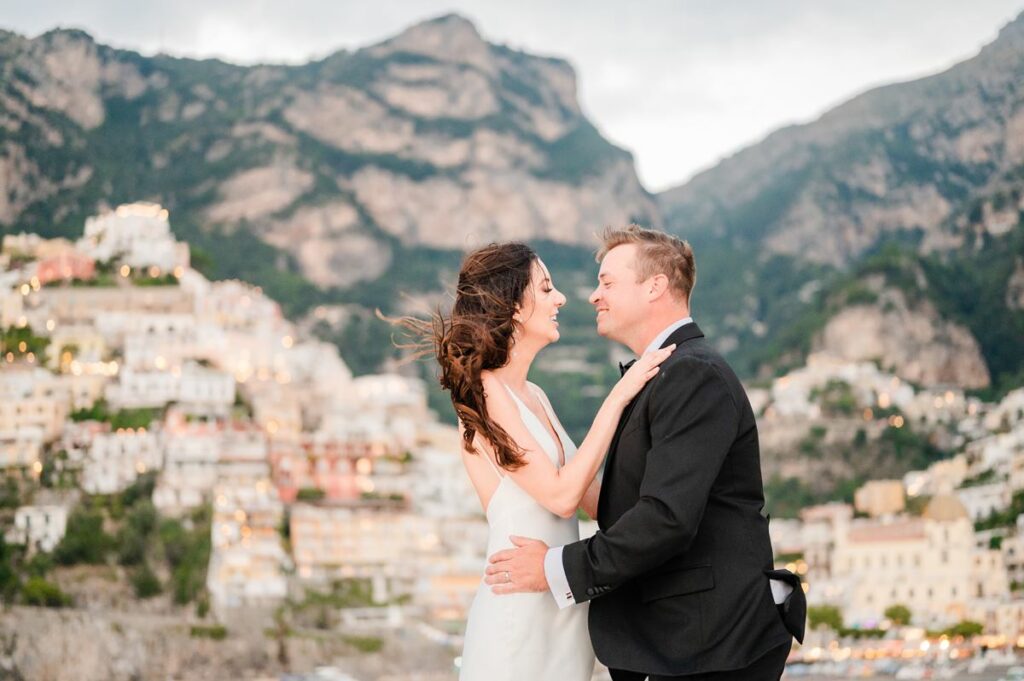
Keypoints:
pixel 560 489
pixel 590 498
pixel 589 501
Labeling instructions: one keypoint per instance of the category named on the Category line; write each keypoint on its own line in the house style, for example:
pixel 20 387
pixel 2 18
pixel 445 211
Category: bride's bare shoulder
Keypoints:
pixel 488 379
pixel 539 392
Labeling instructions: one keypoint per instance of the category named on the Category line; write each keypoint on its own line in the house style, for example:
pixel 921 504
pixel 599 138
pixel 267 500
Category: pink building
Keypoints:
pixel 70 265
pixel 340 469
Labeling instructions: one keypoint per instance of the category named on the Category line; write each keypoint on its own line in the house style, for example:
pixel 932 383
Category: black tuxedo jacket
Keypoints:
pixel 677 573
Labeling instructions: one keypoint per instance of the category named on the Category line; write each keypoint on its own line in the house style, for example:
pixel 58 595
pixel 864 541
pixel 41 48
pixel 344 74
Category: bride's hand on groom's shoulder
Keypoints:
pixel 642 371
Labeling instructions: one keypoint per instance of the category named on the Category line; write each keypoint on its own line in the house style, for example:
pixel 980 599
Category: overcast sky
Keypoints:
pixel 681 83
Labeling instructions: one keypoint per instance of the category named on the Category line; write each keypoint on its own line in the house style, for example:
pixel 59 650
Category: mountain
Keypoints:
pixel 933 168
pixel 333 171
pixel 357 181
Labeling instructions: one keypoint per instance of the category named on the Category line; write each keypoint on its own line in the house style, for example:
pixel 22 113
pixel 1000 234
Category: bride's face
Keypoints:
pixel 538 314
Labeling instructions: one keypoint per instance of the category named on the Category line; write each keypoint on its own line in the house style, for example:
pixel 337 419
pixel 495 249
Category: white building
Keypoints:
pixel 440 487
pixel 136 234
pixel 32 398
pixel 792 394
pixel 929 564
pixel 190 467
pixel 205 389
pixel 193 385
pixel 22 448
pixel 236 305
pixel 142 389
pixel 248 562
pixel 332 542
pixel 39 527
pixel 115 460
pixel 1007 413
pixel 981 501
pixel 940 478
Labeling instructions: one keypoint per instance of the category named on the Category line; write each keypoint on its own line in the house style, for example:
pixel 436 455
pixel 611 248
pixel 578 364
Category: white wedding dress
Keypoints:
pixel 521 636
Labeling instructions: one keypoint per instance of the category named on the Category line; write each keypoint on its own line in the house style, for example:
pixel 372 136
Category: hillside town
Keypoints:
pixel 311 476
pixel 937 554
pixel 123 368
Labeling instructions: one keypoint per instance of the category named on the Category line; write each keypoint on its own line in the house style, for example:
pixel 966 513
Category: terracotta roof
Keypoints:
pixel 944 508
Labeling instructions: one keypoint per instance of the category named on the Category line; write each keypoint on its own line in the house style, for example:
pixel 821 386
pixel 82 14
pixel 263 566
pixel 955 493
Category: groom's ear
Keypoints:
pixel 656 287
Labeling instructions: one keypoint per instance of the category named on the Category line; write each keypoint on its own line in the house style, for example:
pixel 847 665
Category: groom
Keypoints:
pixel 680 573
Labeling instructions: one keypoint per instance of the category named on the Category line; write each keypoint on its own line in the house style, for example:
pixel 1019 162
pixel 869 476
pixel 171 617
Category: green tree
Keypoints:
pixel 310 494
pixel 899 614
pixel 965 628
pixel 131 546
pixel 825 615
pixel 9 582
pixel 145 582
pixel 84 540
pixel 38 591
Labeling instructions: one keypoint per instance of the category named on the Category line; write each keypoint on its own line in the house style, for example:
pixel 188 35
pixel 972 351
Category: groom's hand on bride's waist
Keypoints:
pixel 518 570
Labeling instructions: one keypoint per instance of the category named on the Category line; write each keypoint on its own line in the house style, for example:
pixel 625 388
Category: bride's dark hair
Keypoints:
pixel 478 336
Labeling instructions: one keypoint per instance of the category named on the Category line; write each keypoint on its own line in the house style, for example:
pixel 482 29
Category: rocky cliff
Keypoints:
pixel 433 138
pixel 933 167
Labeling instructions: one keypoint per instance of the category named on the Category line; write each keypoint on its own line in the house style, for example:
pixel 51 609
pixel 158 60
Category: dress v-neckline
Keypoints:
pixel 549 429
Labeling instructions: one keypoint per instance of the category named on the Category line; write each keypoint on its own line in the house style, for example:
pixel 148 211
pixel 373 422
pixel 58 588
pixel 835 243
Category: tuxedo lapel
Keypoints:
pixel 682 334
pixel 679 336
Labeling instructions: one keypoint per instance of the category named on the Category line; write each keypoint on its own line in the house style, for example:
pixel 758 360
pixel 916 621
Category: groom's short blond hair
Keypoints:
pixel 656 253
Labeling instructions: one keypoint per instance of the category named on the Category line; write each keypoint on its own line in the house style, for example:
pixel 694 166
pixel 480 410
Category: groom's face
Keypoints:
pixel 618 298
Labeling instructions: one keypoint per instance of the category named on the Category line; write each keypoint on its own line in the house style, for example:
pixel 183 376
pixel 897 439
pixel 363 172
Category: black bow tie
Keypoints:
pixel 623 368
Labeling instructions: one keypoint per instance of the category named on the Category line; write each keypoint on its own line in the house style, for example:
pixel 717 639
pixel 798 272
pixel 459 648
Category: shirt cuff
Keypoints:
pixel 554 571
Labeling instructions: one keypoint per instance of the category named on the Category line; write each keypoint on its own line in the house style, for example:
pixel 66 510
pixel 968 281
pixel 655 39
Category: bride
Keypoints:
pixel 528 474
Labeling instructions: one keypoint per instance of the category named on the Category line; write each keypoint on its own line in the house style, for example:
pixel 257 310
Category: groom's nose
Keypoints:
pixel 595 296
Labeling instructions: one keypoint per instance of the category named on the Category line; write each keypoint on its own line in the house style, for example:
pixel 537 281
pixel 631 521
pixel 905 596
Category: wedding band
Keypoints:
pixel 508 577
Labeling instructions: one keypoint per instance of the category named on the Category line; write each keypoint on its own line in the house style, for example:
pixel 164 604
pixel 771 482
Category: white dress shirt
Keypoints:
pixel 554 571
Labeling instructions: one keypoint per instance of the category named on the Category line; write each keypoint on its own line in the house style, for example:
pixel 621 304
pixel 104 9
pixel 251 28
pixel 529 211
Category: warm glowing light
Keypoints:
pixel 884 401
pixel 25 289
pixel 868 414
pixel 154 271
pixel 50 325
pixel 287 341
pixel 125 270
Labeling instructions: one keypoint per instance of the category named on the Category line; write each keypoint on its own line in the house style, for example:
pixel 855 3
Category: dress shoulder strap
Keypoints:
pixel 494 466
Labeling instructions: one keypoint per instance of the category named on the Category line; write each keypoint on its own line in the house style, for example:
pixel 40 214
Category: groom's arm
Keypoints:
pixel 694 422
